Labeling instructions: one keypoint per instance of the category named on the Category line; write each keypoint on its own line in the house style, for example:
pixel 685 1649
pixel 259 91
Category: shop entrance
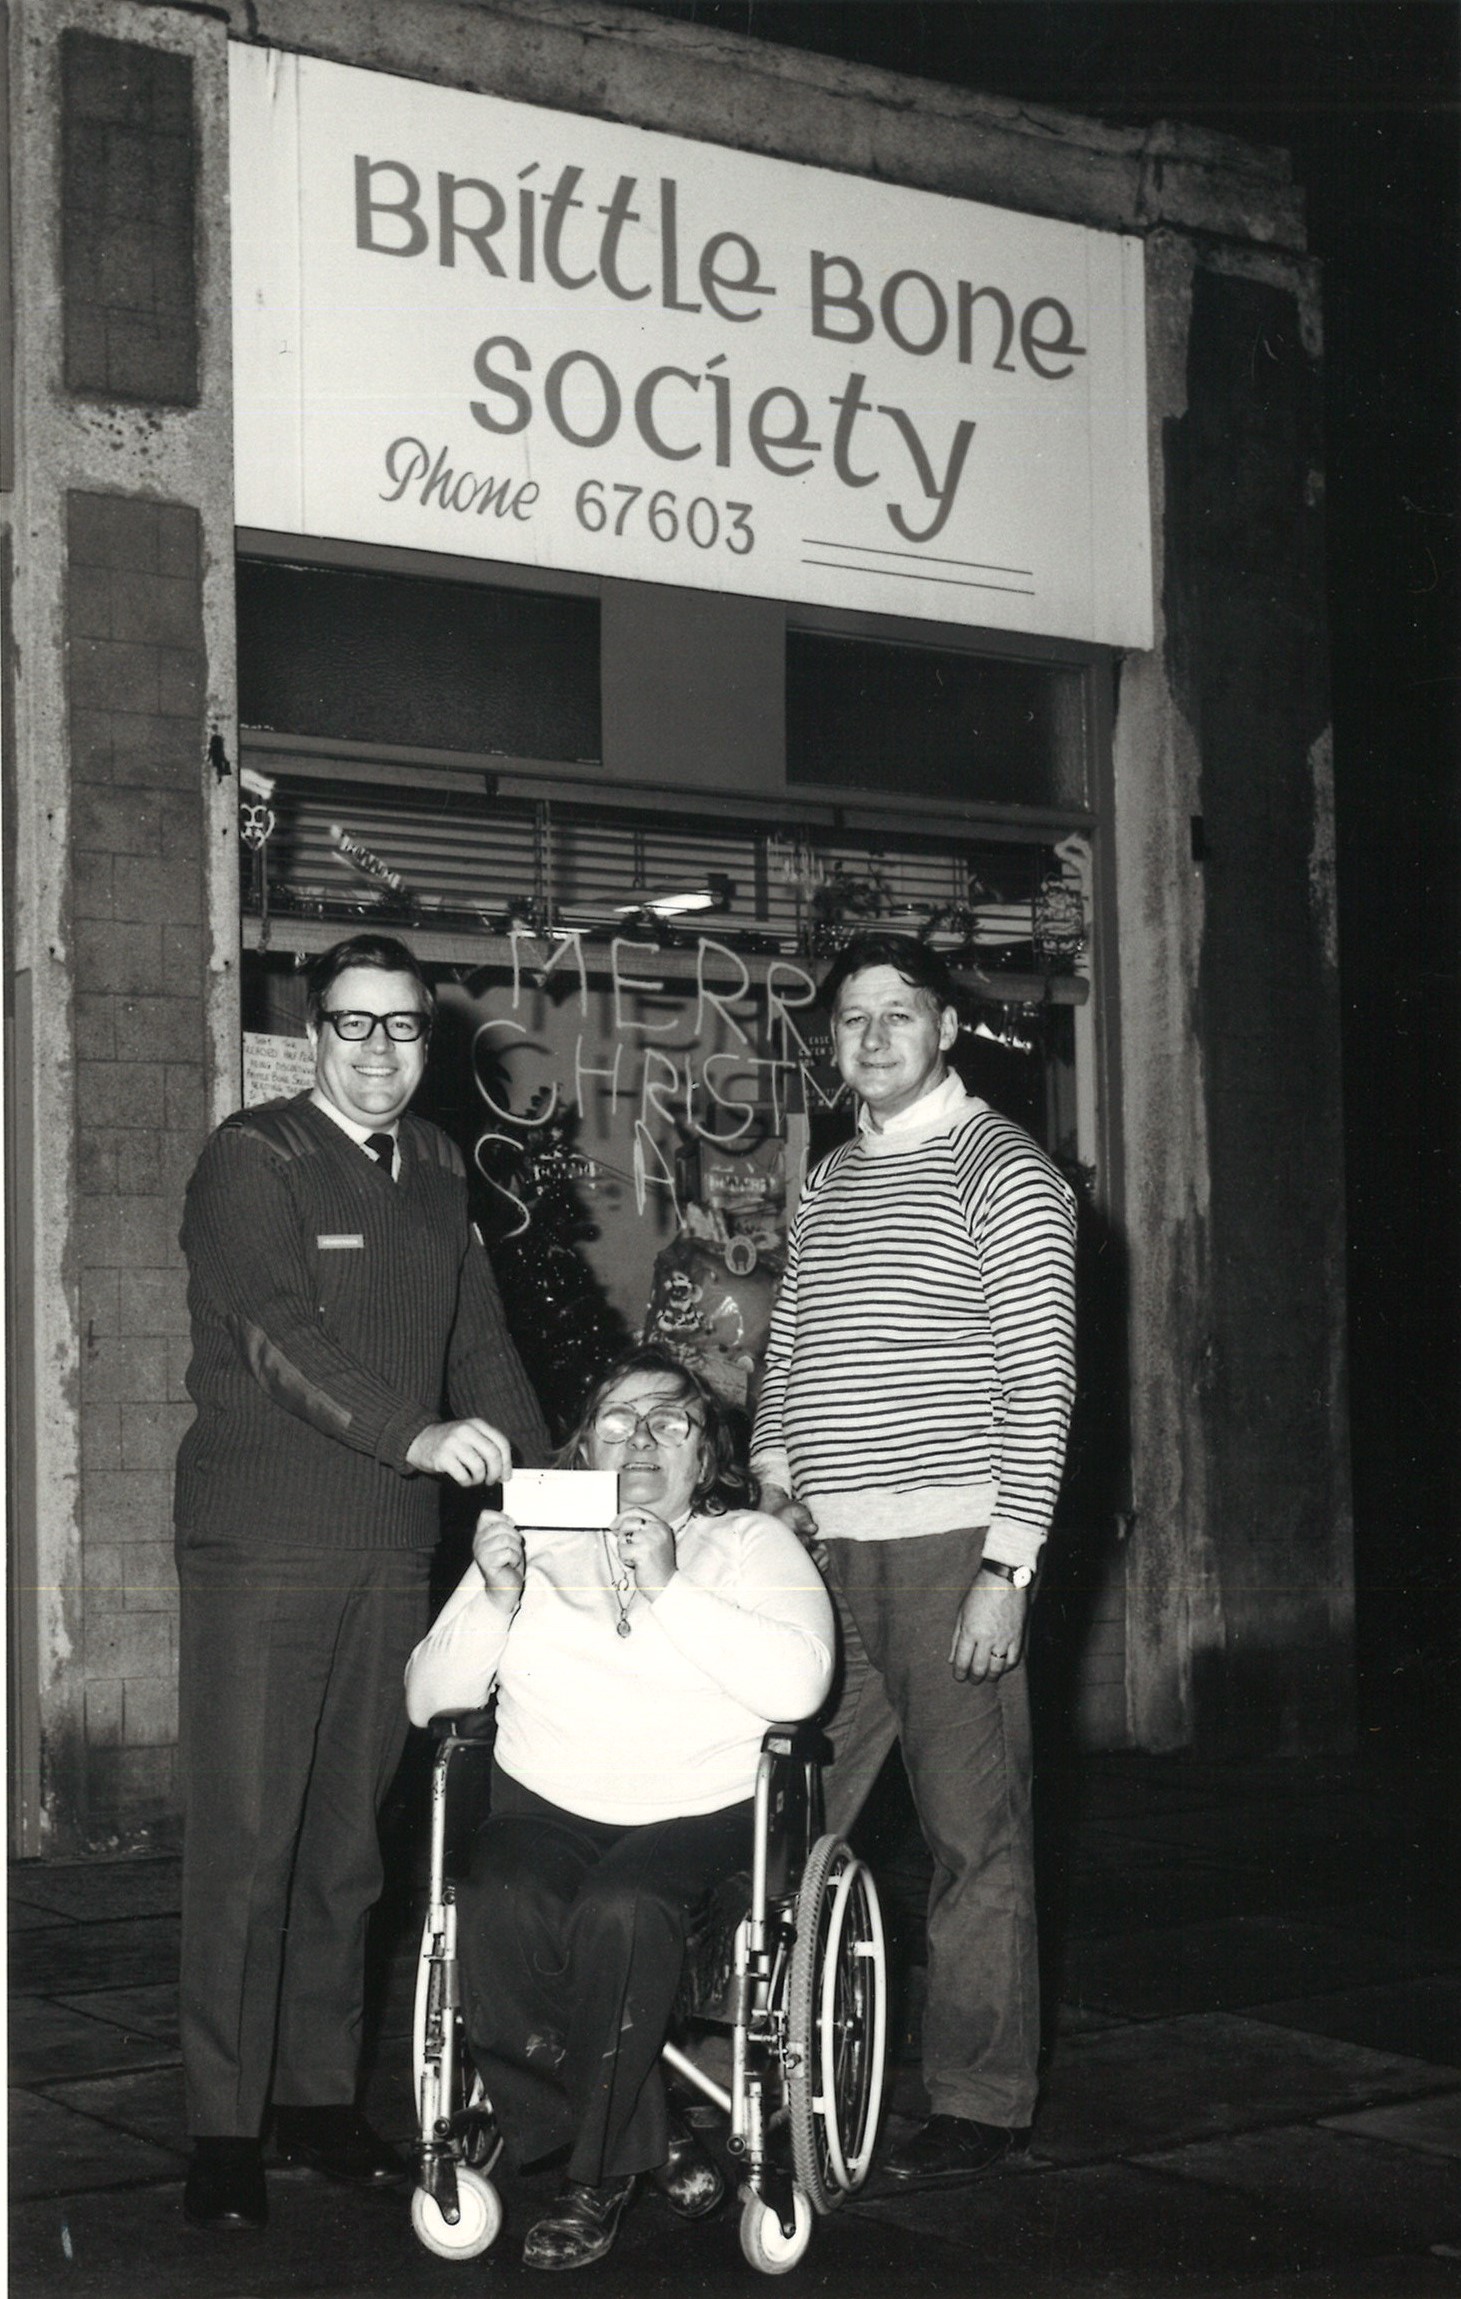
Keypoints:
pixel 629 1051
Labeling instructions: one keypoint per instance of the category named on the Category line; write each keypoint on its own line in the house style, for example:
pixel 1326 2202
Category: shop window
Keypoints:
pixel 630 1052
pixel 862 714
pixel 389 660
pixel 628 1048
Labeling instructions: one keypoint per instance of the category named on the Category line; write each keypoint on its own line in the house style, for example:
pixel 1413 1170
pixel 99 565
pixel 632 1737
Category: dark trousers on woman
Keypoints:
pixel 571 1935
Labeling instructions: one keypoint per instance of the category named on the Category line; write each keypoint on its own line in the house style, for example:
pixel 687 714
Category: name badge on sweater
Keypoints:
pixel 341 1243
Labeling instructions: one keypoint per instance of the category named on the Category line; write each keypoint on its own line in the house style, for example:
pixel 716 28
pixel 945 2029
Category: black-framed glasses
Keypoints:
pixel 404 1028
pixel 667 1424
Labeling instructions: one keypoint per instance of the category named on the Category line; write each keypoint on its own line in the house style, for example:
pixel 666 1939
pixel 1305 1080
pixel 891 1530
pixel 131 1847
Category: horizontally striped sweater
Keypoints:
pixel 335 1312
pixel 920 1369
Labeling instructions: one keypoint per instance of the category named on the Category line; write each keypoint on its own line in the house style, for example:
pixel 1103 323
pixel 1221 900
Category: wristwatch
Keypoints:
pixel 1018 1576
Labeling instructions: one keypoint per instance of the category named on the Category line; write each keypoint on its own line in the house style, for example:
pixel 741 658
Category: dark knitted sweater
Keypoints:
pixel 333 1309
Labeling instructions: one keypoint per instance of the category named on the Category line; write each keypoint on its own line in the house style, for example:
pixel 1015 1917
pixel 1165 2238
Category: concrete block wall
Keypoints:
pixel 129 220
pixel 124 914
pixel 136 678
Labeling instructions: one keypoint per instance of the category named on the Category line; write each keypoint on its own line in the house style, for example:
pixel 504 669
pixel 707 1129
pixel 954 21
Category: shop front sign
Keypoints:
pixel 484 328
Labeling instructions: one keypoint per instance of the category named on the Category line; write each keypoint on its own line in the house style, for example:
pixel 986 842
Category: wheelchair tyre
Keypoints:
pixel 836 2024
pixel 763 2246
pixel 477 2228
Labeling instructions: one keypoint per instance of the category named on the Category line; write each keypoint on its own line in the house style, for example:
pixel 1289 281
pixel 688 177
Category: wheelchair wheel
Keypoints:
pixel 763 2246
pixel 836 2024
pixel 477 2228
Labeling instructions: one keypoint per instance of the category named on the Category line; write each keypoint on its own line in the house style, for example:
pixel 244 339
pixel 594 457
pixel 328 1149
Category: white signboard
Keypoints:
pixel 274 1067
pixel 490 329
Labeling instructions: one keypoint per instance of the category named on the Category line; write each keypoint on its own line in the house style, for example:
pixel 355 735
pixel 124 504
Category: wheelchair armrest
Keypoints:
pixel 804 1743
pixel 461 1724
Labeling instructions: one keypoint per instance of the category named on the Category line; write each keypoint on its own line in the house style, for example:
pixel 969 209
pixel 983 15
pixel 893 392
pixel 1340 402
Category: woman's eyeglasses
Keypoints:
pixel 667 1424
pixel 404 1028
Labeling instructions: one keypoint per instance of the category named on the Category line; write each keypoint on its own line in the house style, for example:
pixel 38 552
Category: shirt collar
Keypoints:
pixel 360 1134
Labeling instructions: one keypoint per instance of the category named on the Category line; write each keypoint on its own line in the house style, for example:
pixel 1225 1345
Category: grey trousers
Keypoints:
pixel 966 1749
pixel 292 1724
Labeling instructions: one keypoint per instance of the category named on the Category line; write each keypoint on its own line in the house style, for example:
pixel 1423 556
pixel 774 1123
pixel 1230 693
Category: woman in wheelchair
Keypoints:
pixel 636 1669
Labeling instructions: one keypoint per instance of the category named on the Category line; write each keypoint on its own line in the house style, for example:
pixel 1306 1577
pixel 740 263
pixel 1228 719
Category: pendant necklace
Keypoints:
pixel 622 1592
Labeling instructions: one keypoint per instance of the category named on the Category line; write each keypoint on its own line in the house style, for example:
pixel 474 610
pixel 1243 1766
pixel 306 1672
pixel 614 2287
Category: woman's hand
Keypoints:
pixel 646 1548
pixel 497 1552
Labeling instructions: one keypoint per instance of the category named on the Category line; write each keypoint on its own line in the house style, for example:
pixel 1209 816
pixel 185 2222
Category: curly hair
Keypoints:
pixel 724 1481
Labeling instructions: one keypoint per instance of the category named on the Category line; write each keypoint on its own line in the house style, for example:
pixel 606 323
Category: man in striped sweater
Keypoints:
pixel 336 1290
pixel 912 1418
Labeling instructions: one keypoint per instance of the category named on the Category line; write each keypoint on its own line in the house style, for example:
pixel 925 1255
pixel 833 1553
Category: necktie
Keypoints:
pixel 382 1148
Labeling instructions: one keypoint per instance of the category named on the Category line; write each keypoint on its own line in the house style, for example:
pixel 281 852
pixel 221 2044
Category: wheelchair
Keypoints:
pixel 791 1960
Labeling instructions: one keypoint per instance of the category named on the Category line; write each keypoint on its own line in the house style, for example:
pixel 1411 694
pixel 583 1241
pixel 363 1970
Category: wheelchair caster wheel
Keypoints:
pixel 763 2245
pixel 476 2229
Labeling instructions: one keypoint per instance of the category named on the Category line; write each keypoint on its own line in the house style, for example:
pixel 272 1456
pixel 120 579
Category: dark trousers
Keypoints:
pixel 571 1935
pixel 966 1749
pixel 292 1724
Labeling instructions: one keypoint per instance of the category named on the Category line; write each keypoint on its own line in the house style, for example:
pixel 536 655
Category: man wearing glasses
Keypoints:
pixel 337 1290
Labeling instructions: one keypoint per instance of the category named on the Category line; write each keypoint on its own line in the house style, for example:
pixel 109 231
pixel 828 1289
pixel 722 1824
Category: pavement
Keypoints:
pixel 1252 2082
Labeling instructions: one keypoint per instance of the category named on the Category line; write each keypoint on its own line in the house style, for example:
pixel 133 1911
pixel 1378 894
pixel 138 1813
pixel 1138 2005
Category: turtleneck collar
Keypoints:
pixel 937 1111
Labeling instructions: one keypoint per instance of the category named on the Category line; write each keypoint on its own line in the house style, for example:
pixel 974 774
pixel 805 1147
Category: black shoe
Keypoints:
pixel 225 2184
pixel 690 2180
pixel 338 2143
pixel 579 2225
pixel 948 2150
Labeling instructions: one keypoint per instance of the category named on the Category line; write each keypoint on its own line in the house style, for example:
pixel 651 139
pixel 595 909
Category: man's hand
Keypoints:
pixel 497 1552
pixel 989 1634
pixel 472 1452
pixel 796 1514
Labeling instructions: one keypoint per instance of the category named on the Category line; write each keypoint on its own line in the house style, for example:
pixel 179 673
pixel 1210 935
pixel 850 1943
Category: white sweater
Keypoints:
pixel 665 1721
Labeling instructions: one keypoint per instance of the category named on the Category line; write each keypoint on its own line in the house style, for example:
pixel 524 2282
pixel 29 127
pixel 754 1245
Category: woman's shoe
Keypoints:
pixel 579 2225
pixel 690 2180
